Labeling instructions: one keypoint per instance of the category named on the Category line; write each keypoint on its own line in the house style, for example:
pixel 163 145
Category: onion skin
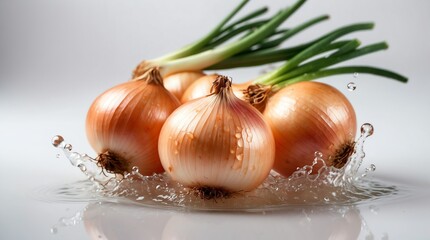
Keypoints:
pixel 307 117
pixel 202 87
pixel 140 69
pixel 199 88
pixel 217 142
pixel 177 83
pixel 123 125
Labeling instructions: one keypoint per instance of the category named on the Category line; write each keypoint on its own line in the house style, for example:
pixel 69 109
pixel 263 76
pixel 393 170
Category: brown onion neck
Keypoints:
pixel 221 84
pixel 151 76
pixel 141 69
pixel 257 95
pixel 342 155
pixel 112 163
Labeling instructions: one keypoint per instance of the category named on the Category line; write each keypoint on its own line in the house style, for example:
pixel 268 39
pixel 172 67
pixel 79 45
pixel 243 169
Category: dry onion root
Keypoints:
pixel 217 145
pixel 123 124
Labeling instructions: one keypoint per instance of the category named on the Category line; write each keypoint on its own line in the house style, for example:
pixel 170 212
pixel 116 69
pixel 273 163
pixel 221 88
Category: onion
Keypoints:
pixel 123 124
pixel 202 87
pixel 199 88
pixel 177 83
pixel 217 144
pixel 307 117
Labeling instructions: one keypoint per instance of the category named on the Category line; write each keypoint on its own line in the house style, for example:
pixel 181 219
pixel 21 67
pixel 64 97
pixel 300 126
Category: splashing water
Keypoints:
pixel 305 187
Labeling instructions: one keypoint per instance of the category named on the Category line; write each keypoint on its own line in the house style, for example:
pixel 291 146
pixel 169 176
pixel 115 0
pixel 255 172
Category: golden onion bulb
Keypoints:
pixel 123 124
pixel 177 83
pixel 307 117
pixel 217 144
pixel 202 87
pixel 199 88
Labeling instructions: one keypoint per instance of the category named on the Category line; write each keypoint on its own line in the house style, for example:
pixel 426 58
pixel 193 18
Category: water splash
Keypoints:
pixel 306 186
pixel 76 219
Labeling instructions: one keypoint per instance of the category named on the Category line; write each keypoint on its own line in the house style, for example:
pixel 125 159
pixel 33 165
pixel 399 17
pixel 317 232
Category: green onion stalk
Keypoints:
pixel 247 35
pixel 314 61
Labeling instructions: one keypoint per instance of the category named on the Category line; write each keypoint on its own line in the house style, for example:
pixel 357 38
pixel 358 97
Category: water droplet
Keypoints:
pixel 238 135
pixel 367 129
pixel 190 135
pixel 372 167
pixel 240 143
pixel 58 155
pixel 355 75
pixel 326 199
pixel 54 230
pixel 135 170
pixel 82 167
pixel 351 86
pixel 68 147
pixel 57 140
pixel 140 198
pixel 239 156
pixel 318 154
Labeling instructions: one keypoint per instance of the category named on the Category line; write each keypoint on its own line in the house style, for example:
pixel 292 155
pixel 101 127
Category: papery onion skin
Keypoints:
pixel 177 83
pixel 124 122
pixel 307 117
pixel 202 87
pixel 218 141
pixel 199 88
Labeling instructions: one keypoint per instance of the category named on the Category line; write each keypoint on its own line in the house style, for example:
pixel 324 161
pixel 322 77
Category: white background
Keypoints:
pixel 56 56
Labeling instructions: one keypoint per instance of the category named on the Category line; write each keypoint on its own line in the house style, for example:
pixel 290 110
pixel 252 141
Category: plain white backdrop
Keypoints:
pixel 56 56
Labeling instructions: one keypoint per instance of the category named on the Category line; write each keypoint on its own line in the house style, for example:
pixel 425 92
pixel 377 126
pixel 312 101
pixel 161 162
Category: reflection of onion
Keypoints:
pixel 114 221
pixel 303 224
